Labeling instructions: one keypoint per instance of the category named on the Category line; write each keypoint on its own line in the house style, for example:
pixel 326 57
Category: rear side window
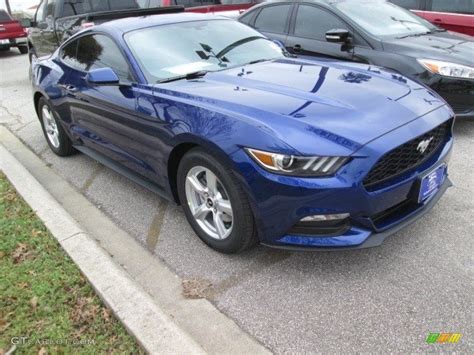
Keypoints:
pixel 273 18
pixel 409 4
pixel 457 6
pixel 313 22
pixel 71 8
pixel 4 17
pixel 74 7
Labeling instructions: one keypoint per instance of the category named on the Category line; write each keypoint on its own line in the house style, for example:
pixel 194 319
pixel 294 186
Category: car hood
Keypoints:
pixel 448 46
pixel 311 106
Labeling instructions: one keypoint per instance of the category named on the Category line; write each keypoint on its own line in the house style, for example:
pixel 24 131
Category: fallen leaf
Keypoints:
pixel 195 288
pixel 35 233
pixel 106 314
pixel 21 253
pixel 42 351
pixel 84 311
pixel 34 303
pixel 10 196
pixel 2 254
pixel 23 285
pixel 3 325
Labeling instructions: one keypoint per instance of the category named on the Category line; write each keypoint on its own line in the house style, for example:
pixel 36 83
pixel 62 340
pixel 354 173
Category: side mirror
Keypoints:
pixel 26 23
pixel 102 76
pixel 338 36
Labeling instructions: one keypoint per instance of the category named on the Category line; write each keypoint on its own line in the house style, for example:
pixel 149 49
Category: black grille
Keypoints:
pixel 406 157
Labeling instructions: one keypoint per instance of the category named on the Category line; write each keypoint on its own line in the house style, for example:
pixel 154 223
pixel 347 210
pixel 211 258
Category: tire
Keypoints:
pixel 54 133
pixel 238 231
pixel 23 49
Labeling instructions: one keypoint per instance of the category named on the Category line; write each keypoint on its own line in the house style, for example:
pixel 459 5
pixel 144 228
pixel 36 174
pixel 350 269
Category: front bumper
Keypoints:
pixel 458 93
pixel 356 238
pixel 280 202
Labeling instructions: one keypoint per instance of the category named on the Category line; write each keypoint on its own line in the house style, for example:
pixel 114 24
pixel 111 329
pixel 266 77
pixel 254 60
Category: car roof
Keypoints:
pixel 135 23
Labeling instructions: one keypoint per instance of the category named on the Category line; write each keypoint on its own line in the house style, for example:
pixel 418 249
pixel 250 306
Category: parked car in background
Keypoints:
pixel 228 8
pixel 453 15
pixel 256 145
pixel 57 20
pixel 377 33
pixel 12 33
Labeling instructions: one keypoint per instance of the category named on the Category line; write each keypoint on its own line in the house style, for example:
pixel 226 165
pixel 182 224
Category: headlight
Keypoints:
pixel 448 69
pixel 315 166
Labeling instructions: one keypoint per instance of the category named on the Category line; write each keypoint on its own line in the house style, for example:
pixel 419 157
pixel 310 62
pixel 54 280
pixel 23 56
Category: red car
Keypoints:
pixel 229 8
pixel 12 34
pixel 453 15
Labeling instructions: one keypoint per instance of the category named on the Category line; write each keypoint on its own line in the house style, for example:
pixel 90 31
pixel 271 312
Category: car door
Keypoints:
pixel 308 29
pixel 104 117
pixel 273 21
pixel 43 34
pixel 35 33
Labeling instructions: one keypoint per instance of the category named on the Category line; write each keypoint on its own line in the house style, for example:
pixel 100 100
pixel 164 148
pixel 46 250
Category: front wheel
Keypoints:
pixel 215 203
pixel 54 133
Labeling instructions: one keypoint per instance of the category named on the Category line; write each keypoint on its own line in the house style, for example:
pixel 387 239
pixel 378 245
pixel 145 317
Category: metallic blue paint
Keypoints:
pixel 290 106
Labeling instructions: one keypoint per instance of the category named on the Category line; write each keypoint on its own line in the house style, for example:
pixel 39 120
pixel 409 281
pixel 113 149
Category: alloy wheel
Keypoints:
pixel 209 202
pixel 50 126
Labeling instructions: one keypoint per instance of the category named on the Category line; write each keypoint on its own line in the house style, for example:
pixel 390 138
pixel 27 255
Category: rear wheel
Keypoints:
pixel 54 133
pixel 215 203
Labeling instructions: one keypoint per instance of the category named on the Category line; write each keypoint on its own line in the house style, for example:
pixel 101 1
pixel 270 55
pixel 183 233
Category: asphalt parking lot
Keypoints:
pixel 377 300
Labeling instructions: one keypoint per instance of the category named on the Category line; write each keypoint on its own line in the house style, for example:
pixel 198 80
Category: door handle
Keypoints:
pixel 438 20
pixel 297 48
pixel 68 88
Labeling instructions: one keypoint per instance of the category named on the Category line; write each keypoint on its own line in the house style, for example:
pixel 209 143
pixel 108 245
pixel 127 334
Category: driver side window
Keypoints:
pixel 313 22
pixel 95 52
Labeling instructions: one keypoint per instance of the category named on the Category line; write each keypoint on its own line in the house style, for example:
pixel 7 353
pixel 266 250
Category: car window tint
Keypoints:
pixel 273 18
pixel 247 17
pixel 69 54
pixel 123 5
pixel 458 6
pixel 99 51
pixel 71 8
pixel 314 22
pixel 408 4
pixel 4 17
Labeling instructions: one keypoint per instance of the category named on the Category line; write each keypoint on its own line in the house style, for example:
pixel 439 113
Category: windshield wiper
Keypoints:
pixel 416 34
pixel 188 76
pixel 258 61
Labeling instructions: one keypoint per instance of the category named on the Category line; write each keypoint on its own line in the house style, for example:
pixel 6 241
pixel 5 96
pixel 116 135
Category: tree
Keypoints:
pixel 7 4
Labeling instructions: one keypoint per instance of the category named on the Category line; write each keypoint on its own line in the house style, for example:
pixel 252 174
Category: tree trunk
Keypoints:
pixel 7 4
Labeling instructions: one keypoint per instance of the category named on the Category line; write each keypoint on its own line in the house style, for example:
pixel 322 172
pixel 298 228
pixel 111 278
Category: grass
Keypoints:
pixel 43 295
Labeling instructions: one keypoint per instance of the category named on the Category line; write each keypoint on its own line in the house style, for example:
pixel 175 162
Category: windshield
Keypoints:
pixel 178 49
pixel 384 19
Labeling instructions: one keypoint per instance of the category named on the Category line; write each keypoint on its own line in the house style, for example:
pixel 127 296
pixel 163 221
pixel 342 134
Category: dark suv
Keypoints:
pixel 377 33
pixel 57 20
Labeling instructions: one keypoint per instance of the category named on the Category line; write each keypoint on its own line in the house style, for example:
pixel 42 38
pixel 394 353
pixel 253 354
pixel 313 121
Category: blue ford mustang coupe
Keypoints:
pixel 255 144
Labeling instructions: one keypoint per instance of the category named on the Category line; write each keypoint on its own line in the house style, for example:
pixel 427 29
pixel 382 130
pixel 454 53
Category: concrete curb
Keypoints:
pixel 144 319
pixel 212 330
